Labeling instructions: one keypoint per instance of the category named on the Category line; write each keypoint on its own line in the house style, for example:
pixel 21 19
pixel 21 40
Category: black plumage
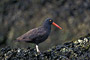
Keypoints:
pixel 37 35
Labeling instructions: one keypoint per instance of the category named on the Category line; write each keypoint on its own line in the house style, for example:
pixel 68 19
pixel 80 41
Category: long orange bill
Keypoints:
pixel 56 25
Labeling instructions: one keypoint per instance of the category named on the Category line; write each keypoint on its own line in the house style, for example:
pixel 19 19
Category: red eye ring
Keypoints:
pixel 50 20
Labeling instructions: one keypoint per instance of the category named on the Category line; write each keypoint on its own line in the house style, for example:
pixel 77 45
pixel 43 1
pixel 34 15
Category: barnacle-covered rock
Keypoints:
pixel 74 50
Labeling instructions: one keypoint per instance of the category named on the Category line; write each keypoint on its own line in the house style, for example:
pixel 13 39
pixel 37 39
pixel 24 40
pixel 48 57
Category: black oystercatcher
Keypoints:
pixel 38 35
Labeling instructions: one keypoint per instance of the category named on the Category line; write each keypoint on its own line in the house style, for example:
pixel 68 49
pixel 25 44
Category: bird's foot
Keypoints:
pixel 37 49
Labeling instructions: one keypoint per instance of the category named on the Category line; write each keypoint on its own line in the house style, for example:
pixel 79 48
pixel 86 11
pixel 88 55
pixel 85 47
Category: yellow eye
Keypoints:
pixel 50 20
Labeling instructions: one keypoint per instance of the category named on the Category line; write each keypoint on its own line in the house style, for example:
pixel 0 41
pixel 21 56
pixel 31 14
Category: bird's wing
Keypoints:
pixel 32 34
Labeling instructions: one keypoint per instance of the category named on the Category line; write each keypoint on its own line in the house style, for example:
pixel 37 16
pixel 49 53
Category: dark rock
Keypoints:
pixel 69 51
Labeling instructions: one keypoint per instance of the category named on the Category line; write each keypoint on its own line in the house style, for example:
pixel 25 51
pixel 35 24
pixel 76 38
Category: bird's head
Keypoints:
pixel 50 21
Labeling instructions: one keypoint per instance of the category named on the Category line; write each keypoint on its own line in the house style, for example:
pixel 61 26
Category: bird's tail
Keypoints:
pixel 16 40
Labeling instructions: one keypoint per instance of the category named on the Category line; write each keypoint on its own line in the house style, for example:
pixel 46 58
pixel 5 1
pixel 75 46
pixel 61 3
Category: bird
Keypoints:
pixel 39 34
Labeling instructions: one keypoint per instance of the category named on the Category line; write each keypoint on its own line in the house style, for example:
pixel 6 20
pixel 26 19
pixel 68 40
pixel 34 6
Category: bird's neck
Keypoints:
pixel 47 26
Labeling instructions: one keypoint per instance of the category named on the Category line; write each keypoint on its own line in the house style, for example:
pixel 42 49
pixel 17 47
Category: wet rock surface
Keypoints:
pixel 73 50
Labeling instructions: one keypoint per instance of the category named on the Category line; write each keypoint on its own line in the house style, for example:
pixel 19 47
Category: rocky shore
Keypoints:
pixel 73 50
